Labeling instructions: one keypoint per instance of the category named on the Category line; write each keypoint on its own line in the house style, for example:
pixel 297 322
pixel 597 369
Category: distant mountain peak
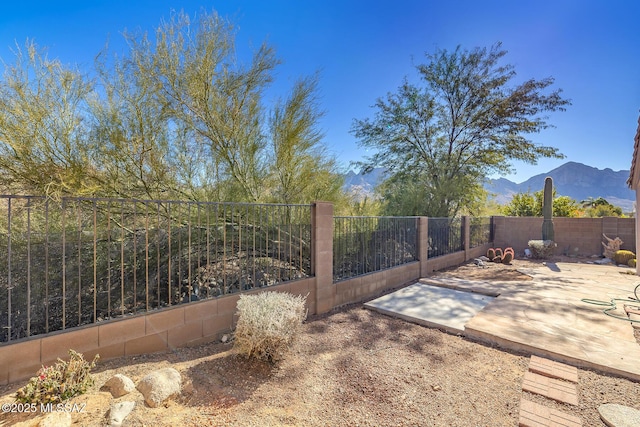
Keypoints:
pixel 573 179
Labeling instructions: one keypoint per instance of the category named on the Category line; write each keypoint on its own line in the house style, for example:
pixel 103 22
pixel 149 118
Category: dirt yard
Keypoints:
pixel 349 367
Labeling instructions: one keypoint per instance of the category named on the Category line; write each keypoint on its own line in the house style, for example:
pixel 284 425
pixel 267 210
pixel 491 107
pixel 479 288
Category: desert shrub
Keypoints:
pixel 59 382
pixel 623 257
pixel 268 323
pixel 541 249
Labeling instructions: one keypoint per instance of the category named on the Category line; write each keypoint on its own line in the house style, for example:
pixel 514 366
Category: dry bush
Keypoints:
pixel 542 249
pixel 268 323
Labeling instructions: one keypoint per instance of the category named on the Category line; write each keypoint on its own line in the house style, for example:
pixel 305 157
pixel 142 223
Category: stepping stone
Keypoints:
pixel 552 369
pixel 552 388
pixel 615 415
pixel 535 415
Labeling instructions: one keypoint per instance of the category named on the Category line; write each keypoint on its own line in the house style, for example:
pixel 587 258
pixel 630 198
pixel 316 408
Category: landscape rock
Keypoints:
pixel 119 385
pixel 187 387
pixel 615 415
pixel 119 412
pixel 56 419
pixel 603 261
pixel 479 262
pixel 159 386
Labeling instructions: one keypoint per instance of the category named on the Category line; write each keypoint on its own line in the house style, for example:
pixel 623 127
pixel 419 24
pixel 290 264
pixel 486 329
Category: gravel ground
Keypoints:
pixel 349 367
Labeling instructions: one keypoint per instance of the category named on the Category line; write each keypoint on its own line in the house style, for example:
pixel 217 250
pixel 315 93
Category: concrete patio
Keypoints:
pixel 546 316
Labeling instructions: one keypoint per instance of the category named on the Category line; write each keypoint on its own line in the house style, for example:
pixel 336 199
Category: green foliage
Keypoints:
pixel 508 257
pixel 175 116
pixel 300 162
pixel 491 254
pixel 522 204
pixel 623 256
pixel 632 263
pixel 359 206
pixel 565 206
pixel 602 210
pixel 541 249
pixel 43 135
pixel 59 382
pixel 268 323
pixel 465 121
pixel 527 204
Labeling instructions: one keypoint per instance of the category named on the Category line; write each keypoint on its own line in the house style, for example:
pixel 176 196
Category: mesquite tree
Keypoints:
pixel 439 140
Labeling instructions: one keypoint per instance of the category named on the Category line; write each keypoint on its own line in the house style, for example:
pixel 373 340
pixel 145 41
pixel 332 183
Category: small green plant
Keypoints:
pixel 541 249
pixel 59 382
pixel 622 256
pixel 508 257
pixel 491 254
pixel 268 323
pixel 632 263
pixel 499 252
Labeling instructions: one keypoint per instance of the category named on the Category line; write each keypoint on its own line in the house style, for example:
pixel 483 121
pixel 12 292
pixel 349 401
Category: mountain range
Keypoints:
pixel 572 179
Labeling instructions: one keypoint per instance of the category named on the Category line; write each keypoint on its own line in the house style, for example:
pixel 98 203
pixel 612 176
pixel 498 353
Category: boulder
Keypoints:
pixel 119 412
pixel 159 386
pixel 119 385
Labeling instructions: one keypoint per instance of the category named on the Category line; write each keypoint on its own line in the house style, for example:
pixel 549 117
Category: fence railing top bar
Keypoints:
pixel 121 200
pixel 377 217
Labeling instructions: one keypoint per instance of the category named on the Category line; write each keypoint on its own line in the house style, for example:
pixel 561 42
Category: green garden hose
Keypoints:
pixel 612 304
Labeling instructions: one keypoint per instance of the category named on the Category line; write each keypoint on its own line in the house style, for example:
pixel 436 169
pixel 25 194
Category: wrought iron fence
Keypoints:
pixel 82 260
pixel 446 236
pixel 480 231
pixel 363 245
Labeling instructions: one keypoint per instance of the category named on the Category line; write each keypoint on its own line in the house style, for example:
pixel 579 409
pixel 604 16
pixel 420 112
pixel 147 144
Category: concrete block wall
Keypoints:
pixel 577 236
pixel 183 325
pixel 364 287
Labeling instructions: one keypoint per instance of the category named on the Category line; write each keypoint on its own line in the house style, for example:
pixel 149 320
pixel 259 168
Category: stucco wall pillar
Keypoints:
pixel 322 257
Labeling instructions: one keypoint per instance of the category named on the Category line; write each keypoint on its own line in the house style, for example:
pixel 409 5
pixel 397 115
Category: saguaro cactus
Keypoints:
pixel 547 210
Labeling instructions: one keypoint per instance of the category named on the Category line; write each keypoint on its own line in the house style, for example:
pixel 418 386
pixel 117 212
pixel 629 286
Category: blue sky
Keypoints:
pixel 363 49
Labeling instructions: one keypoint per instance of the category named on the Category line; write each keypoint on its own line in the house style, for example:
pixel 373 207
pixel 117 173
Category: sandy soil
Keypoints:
pixel 349 367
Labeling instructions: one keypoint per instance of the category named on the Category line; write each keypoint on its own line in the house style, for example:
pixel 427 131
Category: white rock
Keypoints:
pixel 119 412
pixel 119 385
pixel 159 386
pixel 225 338
pixel 604 261
pixel 615 415
pixel 56 419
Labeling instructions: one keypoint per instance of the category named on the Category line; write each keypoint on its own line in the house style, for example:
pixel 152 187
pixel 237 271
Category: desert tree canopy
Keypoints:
pixel 465 119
